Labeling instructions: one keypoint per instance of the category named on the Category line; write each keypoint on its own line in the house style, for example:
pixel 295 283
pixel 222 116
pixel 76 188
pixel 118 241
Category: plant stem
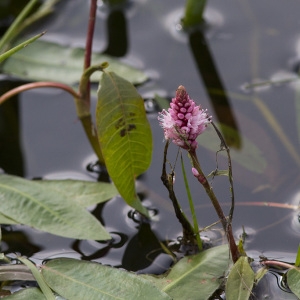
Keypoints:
pixel 226 225
pixel 19 47
pixel 33 85
pixel 89 45
pixel 84 102
pixel 224 146
pixel 193 15
pixel 278 264
pixel 192 207
pixel 167 179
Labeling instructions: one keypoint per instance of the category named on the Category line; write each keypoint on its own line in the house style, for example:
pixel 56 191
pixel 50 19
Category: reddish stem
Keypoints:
pixel 226 225
pixel 89 44
pixel 278 264
pixel 33 85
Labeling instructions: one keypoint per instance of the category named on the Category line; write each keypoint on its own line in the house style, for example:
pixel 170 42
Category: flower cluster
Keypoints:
pixel 183 121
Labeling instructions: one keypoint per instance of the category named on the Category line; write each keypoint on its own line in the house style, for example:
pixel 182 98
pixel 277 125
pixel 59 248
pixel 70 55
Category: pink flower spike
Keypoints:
pixel 195 172
pixel 184 121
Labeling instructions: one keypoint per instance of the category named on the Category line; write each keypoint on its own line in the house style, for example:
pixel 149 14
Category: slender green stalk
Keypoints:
pixel 192 207
pixel 193 15
pixel 13 29
pixel 83 103
pixel 10 52
pixel 45 9
pixel 297 261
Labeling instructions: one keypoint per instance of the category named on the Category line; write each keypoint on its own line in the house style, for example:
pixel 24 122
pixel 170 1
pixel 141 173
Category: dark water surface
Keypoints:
pixel 245 42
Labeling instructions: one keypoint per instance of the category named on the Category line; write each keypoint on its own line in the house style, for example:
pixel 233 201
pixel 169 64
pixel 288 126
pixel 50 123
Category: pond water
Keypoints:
pixel 243 69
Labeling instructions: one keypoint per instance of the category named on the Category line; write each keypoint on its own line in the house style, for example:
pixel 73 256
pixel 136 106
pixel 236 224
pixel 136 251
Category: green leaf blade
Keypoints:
pixel 240 280
pixel 85 193
pixel 293 280
pixel 47 209
pixel 74 279
pixel 124 134
pixel 195 277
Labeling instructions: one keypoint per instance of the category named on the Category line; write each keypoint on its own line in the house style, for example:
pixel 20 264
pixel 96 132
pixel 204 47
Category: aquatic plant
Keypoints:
pixel 122 141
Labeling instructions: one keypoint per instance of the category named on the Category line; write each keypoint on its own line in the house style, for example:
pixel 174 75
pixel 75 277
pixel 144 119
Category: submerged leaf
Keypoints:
pixel 124 134
pixel 44 208
pixel 195 277
pixel 49 61
pixel 75 279
pixel 240 280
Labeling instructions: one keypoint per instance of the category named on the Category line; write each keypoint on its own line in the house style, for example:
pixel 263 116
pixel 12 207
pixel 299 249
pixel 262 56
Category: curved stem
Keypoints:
pixel 278 264
pixel 33 85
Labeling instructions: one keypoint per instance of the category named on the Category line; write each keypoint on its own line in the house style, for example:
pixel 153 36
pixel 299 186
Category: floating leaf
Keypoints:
pixel 25 294
pixel 124 134
pixel 53 62
pixel 44 208
pixel 240 280
pixel 293 280
pixel 195 277
pixel 85 193
pixel 74 279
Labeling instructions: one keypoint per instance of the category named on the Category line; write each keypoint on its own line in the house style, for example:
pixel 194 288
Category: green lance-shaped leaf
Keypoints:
pixel 195 277
pixel 74 279
pixel 293 280
pixel 84 193
pixel 124 134
pixel 240 280
pixel 46 208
